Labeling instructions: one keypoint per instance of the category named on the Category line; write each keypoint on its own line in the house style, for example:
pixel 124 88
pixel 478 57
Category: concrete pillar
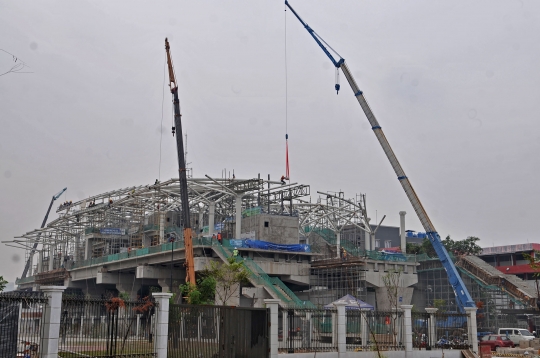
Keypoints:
pixel 272 304
pixel 338 243
pixel 211 217
pixel 200 226
pixel 52 311
pixel 161 227
pixel 162 323
pixel 472 328
pixel 364 331
pixel 367 241
pixel 51 256
pixel 432 326
pixel 407 323
pixel 285 327
pixel 138 328
pixel 402 231
pixel 238 210
pixel 40 262
pixel 341 328
pixel 82 325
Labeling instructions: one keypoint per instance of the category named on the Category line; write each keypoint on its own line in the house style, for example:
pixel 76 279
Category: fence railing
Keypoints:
pixel 217 331
pixel 21 323
pixel 307 330
pixel 106 327
pixel 375 330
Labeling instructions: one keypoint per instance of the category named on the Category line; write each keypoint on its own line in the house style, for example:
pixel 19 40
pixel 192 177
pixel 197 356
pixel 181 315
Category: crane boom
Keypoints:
pixel 188 242
pixel 462 294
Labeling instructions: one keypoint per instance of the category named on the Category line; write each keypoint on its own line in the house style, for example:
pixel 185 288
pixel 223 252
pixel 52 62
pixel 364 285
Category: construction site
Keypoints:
pixel 301 247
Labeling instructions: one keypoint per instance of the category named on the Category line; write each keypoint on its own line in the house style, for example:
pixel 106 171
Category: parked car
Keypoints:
pixel 516 334
pixel 495 341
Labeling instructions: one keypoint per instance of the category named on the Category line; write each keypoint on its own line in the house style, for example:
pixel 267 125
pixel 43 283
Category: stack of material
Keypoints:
pixel 516 351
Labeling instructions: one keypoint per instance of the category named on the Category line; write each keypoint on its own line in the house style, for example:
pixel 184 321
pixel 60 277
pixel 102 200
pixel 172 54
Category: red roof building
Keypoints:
pixel 509 259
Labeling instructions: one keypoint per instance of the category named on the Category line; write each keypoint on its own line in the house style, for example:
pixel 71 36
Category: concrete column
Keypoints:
pixel 211 216
pixel 40 262
pixel 338 243
pixel 432 326
pixel 161 227
pixel 407 324
pixel 364 332
pixel 51 256
pixel 341 328
pixel 138 326
pixel 238 209
pixel 162 323
pixel 285 319
pixel 200 226
pixel 367 238
pixel 82 325
pixel 52 311
pixel 272 304
pixel 472 328
pixel 402 231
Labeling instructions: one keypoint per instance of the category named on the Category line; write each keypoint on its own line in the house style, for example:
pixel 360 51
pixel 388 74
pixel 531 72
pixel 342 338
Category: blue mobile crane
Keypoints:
pixel 462 294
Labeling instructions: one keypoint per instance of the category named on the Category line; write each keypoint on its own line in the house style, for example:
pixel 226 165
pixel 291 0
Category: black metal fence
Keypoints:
pixel 447 331
pixel 451 331
pixel 375 330
pixel 21 317
pixel 217 331
pixel 307 330
pixel 112 327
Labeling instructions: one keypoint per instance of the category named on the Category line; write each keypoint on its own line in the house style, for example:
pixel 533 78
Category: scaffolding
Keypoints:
pixel 335 278
pixel 434 290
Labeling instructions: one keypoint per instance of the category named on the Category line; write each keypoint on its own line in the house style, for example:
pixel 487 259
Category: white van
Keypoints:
pixel 516 334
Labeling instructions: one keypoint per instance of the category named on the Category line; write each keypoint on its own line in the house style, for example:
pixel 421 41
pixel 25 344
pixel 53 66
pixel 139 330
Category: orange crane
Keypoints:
pixel 188 242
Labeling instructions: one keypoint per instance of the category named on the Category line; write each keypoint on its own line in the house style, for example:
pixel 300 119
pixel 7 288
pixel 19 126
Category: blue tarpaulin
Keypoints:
pixel 264 245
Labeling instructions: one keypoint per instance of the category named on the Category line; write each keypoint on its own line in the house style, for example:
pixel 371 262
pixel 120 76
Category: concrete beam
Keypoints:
pixel 159 272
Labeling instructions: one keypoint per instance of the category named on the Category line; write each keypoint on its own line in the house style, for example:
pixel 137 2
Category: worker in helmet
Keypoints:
pixel 283 178
pixel 235 252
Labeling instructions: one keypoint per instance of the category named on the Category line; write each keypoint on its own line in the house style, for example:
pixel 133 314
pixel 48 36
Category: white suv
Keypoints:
pixel 516 334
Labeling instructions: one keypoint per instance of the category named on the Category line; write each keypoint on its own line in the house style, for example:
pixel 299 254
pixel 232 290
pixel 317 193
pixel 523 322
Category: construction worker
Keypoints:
pixel 235 252
pixel 213 237
pixel 219 237
pixel 283 178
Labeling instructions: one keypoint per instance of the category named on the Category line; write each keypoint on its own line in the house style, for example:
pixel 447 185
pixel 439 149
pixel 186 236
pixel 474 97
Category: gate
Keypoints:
pixel 217 332
pixel 106 327
pixel 21 325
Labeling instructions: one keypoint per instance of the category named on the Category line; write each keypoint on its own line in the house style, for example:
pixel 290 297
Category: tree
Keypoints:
pixel 413 249
pixel 228 277
pixel 201 294
pixel 467 246
pixel 393 284
pixel 3 283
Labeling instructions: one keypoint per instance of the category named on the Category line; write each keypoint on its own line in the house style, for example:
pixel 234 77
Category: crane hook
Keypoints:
pixel 337 86
pixel 173 131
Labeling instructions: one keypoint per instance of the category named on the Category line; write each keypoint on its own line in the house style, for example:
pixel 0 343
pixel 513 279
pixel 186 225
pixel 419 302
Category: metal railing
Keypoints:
pixel 21 323
pixel 112 327
pixel 307 330
pixel 375 330
pixel 217 331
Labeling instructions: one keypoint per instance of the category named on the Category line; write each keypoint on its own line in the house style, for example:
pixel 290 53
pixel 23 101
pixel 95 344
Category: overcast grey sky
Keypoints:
pixel 454 85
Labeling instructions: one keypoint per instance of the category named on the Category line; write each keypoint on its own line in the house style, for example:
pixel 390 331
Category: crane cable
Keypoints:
pixel 286 104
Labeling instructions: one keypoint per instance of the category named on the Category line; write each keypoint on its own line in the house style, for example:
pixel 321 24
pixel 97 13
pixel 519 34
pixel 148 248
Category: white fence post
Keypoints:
pixel 51 321
pixel 472 328
pixel 407 323
pixel 432 325
pixel 272 304
pixel 162 323
pixel 341 328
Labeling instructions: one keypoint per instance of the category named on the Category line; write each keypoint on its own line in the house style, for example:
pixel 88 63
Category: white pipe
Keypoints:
pixel 211 217
pixel 402 231
pixel 238 209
